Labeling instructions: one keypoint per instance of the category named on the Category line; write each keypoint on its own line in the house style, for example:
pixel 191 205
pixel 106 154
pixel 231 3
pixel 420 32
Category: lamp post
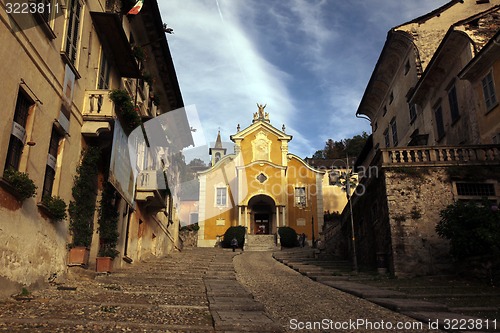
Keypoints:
pixel 312 226
pixel 353 238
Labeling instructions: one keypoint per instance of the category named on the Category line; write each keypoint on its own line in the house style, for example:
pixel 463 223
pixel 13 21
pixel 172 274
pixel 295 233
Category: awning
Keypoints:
pixel 115 43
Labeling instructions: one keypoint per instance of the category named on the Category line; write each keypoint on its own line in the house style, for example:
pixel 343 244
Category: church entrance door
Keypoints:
pixel 262 208
pixel 262 224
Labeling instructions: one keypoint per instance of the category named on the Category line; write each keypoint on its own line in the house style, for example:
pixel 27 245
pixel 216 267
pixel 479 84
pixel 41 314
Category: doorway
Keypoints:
pixel 262 208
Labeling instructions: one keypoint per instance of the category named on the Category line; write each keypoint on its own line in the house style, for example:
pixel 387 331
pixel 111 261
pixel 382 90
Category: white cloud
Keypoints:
pixel 309 60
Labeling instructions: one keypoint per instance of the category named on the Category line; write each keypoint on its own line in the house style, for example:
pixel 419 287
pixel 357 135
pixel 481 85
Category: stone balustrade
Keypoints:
pixel 98 104
pixel 440 155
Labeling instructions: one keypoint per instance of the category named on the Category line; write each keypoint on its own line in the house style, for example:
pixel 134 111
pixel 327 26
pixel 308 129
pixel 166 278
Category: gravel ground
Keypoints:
pixel 296 302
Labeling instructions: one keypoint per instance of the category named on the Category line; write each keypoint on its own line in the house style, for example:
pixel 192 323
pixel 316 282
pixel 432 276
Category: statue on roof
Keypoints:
pixel 261 115
pixel 261 110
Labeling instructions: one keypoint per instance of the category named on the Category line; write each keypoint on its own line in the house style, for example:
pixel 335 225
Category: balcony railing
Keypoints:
pixel 151 180
pixel 467 155
pixel 98 105
pixel 148 188
pixel 97 113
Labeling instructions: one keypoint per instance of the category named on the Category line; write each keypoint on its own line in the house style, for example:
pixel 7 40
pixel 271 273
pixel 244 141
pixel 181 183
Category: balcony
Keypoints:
pixel 151 189
pixel 440 156
pixel 98 112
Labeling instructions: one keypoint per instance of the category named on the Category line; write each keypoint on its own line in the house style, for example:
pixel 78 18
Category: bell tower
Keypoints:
pixel 217 152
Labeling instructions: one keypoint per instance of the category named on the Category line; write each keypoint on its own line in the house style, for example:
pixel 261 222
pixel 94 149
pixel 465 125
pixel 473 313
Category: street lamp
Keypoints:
pixel 312 223
pixel 353 238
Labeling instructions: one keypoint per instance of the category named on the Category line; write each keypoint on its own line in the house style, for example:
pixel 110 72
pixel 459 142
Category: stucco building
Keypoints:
pixel 261 186
pixel 432 102
pixel 59 67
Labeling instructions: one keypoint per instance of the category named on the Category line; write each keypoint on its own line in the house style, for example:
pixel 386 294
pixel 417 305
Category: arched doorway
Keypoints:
pixel 262 208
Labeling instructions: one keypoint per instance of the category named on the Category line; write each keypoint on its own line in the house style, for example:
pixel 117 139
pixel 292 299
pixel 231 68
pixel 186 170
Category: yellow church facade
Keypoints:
pixel 261 186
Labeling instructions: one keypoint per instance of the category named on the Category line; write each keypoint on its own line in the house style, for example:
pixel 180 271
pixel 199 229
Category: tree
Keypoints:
pixel 197 162
pixel 351 147
pixel 319 154
pixel 472 229
pixel 354 145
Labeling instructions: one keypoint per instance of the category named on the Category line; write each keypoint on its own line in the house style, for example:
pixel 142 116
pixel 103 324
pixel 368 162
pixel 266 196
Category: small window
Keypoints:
pixel 50 169
pixel 384 111
pixel 490 97
pixel 438 113
pixel 73 29
pixel 18 134
pixel 387 138
pixel 413 112
pixel 452 99
pixel 193 218
pixel 221 200
pixel 394 129
pixel 375 126
pixel 407 66
pixel 391 98
pixel 261 178
pixel 300 196
pixel 104 70
pixel 217 157
pixel 475 189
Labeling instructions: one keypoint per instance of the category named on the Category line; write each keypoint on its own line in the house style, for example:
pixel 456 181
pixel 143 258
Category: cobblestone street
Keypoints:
pixel 197 290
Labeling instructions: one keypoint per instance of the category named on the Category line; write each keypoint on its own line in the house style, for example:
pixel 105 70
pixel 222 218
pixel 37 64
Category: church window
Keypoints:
pixel 261 178
pixel 221 199
pixel 300 196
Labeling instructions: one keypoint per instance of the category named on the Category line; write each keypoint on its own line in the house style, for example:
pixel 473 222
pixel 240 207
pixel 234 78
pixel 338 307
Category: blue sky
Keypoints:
pixel 308 60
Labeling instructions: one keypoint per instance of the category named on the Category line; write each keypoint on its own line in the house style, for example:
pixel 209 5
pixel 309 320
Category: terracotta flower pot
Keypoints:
pixel 104 264
pixel 78 256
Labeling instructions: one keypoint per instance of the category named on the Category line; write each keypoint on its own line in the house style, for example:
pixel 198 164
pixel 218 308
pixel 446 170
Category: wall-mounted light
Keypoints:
pixel 31 143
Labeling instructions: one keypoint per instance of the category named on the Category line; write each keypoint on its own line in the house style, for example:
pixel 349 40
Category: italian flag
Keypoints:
pixel 137 8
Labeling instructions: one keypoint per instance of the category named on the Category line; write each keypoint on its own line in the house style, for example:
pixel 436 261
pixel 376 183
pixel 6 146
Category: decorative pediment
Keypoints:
pixel 261 147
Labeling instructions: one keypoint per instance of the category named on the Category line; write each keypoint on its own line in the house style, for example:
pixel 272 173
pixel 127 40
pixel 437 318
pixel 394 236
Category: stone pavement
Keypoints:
pixel 201 290
pixel 337 274
pixel 192 291
pixel 295 301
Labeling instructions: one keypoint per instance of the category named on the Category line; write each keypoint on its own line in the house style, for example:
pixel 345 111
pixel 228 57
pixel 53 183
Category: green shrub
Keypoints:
pixel 472 229
pixel 20 181
pixel 288 236
pixel 56 207
pixel 125 109
pixel 108 223
pixel 231 232
pixel 82 207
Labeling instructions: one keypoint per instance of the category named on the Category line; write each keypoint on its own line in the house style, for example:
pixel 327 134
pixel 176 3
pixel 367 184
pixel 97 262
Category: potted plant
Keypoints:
pixel 125 109
pixel 108 229
pixel 82 207
pixel 54 207
pixel 18 184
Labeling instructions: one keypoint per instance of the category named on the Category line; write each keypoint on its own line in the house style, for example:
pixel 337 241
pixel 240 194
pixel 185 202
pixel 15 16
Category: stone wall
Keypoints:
pixel 415 197
pixel 396 216
pixel 189 238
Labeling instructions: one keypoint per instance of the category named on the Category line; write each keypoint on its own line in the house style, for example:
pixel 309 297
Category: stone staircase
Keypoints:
pixel 259 243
